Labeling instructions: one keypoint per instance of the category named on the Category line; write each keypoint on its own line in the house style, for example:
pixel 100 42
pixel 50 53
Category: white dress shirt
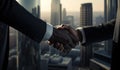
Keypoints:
pixel 83 34
pixel 48 33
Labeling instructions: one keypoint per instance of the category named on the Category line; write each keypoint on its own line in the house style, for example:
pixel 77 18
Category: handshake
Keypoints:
pixel 64 38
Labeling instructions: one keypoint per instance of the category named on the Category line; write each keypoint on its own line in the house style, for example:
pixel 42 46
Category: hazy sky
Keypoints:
pixel 73 5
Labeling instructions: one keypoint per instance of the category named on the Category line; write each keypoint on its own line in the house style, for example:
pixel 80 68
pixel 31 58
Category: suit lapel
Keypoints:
pixel 117 25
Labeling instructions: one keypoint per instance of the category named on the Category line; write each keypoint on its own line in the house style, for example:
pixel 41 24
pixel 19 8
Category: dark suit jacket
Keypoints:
pixel 111 30
pixel 11 13
pixel 99 33
pixel 116 42
pixel 16 16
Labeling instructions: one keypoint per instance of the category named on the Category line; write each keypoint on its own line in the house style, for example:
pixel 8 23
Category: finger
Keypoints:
pixel 62 37
pixel 50 43
pixel 65 52
pixel 72 32
pixel 71 43
pixel 74 40
pixel 63 27
pixel 59 27
pixel 67 48
pixel 66 26
pixel 61 48
pixel 70 29
pixel 56 45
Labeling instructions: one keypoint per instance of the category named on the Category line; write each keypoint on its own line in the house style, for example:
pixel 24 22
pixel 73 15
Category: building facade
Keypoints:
pixel 64 14
pixel 55 12
pixel 86 14
pixel 60 13
pixel 70 20
pixel 99 20
pixel 110 10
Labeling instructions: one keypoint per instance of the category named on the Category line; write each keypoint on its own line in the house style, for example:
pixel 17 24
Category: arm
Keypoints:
pixel 99 33
pixel 16 16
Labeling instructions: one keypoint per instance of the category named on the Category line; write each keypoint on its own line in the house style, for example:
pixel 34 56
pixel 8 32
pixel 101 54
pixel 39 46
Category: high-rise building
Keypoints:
pixel 70 20
pixel 99 20
pixel 67 19
pixel 86 14
pixel 38 11
pixel 110 10
pixel 29 56
pixel 86 20
pixel 55 12
pixel 64 14
pixel 60 13
pixel 64 17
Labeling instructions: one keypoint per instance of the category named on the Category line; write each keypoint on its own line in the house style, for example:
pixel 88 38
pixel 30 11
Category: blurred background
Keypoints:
pixel 25 54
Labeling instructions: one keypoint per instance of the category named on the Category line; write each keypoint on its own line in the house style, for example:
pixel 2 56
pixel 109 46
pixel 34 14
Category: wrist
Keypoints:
pixel 52 38
pixel 79 35
pixel 49 32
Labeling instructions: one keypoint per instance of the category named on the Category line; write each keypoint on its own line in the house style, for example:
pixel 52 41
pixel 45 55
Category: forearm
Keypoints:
pixel 99 33
pixel 17 17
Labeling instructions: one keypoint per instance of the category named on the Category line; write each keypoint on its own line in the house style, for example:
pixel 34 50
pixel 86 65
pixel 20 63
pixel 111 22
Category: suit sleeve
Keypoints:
pixel 16 16
pixel 99 33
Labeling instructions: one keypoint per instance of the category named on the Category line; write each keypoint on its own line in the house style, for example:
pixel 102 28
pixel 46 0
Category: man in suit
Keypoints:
pixel 12 14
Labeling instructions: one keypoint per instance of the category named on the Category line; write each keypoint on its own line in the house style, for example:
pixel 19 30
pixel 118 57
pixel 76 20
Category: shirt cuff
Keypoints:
pixel 83 34
pixel 49 32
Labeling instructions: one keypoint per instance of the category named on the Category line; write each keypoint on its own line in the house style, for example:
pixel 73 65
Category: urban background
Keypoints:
pixel 25 54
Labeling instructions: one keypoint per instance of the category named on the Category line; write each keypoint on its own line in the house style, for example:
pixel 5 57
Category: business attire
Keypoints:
pixel 13 14
pixel 111 30
pixel 91 34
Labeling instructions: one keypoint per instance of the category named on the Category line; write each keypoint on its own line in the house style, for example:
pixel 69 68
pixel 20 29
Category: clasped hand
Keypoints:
pixel 64 38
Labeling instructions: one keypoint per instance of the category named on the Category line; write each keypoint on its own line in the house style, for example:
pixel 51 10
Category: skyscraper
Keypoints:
pixel 110 10
pixel 70 20
pixel 86 20
pixel 99 20
pixel 64 17
pixel 64 14
pixel 60 13
pixel 67 19
pixel 86 14
pixel 55 12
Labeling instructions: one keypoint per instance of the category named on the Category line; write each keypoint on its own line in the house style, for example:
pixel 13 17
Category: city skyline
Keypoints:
pixel 72 6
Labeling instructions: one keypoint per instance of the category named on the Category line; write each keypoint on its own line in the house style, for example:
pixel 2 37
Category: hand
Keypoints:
pixel 73 32
pixel 65 49
pixel 74 36
pixel 69 34
pixel 61 38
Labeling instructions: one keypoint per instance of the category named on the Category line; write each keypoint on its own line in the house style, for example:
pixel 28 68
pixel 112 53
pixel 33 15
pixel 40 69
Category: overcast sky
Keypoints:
pixel 73 5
